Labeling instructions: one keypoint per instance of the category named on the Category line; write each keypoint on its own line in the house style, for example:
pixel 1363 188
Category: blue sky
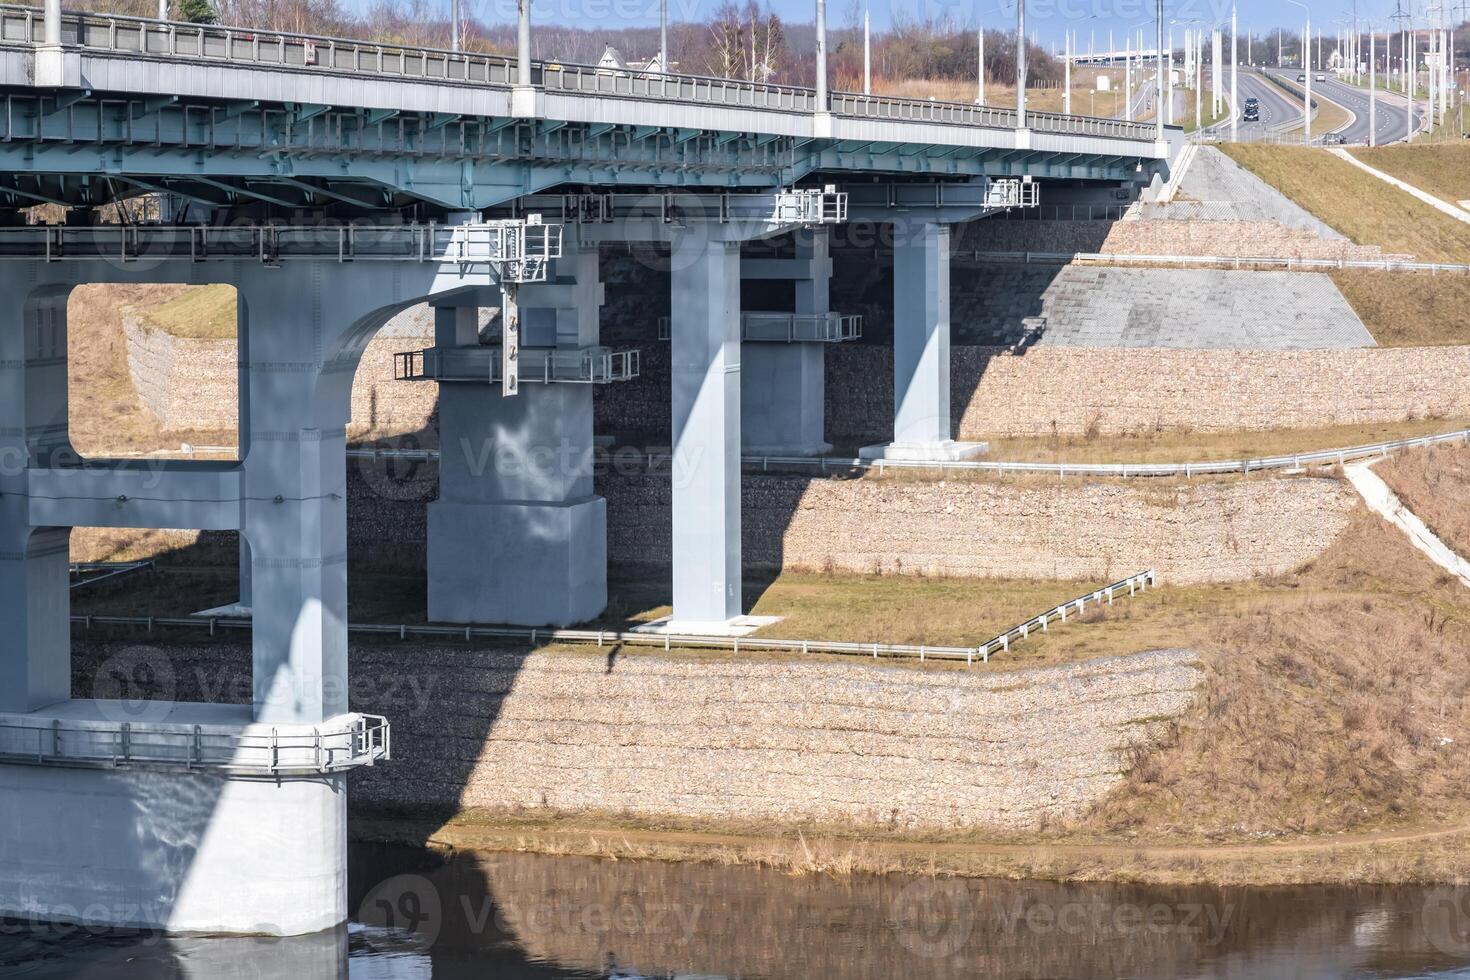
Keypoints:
pixel 1047 18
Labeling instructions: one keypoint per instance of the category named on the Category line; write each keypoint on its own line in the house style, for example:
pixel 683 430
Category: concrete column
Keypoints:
pixel 921 334
pixel 35 599
pixel 921 358
pixel 294 515
pixel 517 535
pixel 784 386
pixel 705 352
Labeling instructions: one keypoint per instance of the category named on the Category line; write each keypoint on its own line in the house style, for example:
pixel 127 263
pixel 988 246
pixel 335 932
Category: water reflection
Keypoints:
pixel 420 915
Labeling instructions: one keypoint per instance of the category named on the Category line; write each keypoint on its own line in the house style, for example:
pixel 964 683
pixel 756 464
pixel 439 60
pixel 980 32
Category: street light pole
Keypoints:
pixel 1159 65
pixel 1234 77
pixel 663 36
pixel 1021 62
pixel 980 84
pixel 1372 86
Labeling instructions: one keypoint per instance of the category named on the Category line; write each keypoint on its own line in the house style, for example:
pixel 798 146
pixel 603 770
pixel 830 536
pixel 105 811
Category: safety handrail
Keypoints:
pixel 366 740
pixel 1287 262
pixel 670 641
pixel 826 464
pixel 136 35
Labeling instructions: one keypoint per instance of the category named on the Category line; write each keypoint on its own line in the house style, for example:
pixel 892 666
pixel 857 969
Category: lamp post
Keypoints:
pixel 663 36
pixel 1159 65
pixel 1234 76
pixel 1021 64
pixel 1306 72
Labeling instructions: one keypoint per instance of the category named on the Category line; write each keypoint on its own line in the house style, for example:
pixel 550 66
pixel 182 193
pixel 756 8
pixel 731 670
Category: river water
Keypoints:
pixel 419 915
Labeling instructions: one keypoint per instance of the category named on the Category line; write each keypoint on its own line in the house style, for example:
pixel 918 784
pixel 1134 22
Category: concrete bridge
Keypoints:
pixel 335 183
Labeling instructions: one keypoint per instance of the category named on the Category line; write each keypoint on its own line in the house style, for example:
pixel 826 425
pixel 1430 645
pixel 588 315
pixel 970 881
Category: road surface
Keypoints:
pixel 1392 122
pixel 1278 110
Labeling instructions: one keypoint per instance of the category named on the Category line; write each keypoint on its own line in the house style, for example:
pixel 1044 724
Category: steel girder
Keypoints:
pixel 86 149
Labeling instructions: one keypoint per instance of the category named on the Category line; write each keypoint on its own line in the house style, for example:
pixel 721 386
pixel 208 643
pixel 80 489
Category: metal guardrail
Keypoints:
pixel 586 365
pixel 366 741
pixel 91 573
pixel 1067 212
pixel 1289 263
pixel 828 464
pixel 123 35
pixel 789 328
pixel 667 641
pixel 520 248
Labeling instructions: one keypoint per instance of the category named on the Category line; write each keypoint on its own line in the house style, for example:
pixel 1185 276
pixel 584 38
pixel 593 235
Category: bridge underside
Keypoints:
pixel 81 149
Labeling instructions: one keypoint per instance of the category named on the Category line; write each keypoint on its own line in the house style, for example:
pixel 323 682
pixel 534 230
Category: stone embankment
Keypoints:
pixel 786 741
pixel 188 385
pixel 706 738
pixel 1208 531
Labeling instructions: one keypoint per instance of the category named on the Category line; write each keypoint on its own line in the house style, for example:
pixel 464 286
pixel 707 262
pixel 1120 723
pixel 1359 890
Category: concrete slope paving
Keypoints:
pixel 1092 306
pixel 1239 195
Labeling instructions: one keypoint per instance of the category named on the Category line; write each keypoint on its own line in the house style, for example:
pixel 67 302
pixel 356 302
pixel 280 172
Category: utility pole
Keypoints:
pixel 1168 106
pixel 454 42
pixel 1234 77
pixel 1021 63
pixel 822 102
pixel 1159 64
pixel 1372 86
pixel 1128 81
pixel 980 89
pixel 663 36
pixel 1067 73
pixel 868 56
pixel 163 9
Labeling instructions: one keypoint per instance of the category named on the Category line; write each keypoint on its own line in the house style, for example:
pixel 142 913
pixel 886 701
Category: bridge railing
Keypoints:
pixel 366 739
pixel 122 34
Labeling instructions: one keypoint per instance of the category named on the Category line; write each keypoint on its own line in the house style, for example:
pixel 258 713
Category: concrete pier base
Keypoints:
pixel 948 451
pixel 536 563
pixel 180 852
pixel 783 387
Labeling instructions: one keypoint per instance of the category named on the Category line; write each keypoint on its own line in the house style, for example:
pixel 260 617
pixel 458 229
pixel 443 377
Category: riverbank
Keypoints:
pixel 1437 854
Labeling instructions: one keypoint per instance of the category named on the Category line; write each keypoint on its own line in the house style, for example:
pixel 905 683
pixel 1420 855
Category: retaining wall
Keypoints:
pixel 707 738
pixel 188 385
pixel 1209 531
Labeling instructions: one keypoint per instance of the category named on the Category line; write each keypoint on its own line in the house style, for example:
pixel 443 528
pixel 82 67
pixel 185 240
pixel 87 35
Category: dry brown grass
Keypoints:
pixel 1434 483
pixel 107 417
pixel 1344 710
pixel 1433 856
pixel 1409 309
pixel 1086 101
pixel 1441 169
pixel 1174 446
pixel 1359 205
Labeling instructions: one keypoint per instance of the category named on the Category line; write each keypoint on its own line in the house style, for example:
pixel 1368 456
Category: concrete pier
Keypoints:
pixel 921 359
pixel 189 817
pixel 706 350
pixel 784 385
pixel 517 535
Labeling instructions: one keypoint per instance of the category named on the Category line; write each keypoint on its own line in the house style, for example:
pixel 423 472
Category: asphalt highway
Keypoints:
pixel 1392 119
pixel 1278 109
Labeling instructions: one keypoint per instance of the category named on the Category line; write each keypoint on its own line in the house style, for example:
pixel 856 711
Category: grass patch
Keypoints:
pixel 1409 309
pixel 196 313
pixel 1357 204
pixel 1441 169
pixel 1434 483
pixel 1174 446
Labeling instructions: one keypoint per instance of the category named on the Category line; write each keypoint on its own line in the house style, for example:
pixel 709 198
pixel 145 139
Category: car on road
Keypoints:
pixel 1334 139
pixel 1321 77
pixel 1301 78
pixel 1252 110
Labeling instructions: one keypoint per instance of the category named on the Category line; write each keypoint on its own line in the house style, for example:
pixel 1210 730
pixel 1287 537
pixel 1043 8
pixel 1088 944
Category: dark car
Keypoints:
pixel 1252 110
